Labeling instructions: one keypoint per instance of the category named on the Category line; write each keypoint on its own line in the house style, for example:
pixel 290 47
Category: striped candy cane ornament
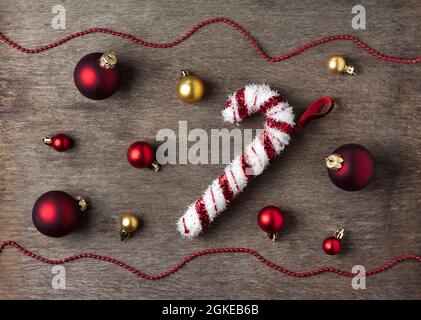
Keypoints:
pixel 275 137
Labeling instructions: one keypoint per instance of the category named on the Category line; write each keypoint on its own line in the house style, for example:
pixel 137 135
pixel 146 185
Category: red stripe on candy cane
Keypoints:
pixel 267 143
pixel 202 213
pixel 280 126
pixel 226 190
pixel 241 105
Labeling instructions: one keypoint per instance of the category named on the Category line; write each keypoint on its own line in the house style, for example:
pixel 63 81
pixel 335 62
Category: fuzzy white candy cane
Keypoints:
pixel 276 135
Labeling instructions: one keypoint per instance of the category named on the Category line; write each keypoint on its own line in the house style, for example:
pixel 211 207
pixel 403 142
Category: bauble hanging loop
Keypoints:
pixel 129 223
pixel 97 75
pixel 333 245
pixel 141 155
pixel 271 220
pixel 56 213
pixel 337 64
pixel 190 88
pixel 60 142
pixel 350 167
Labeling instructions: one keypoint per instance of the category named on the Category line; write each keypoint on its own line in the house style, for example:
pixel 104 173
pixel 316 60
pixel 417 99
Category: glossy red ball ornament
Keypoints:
pixel 271 219
pixel 60 142
pixel 141 155
pixel 56 213
pixel 97 75
pixel 333 245
pixel 350 167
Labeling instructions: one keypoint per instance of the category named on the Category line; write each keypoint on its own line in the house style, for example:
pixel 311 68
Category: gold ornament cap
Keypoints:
pixel 184 73
pixel 339 233
pixel 83 202
pixel 334 162
pixel 108 60
pixel 48 140
pixel 272 236
pixel 155 166
pixel 337 64
pixel 129 223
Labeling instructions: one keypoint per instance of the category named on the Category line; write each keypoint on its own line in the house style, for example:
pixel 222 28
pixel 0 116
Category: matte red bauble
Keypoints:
pixel 97 75
pixel 141 155
pixel 350 167
pixel 56 213
pixel 333 245
pixel 60 142
pixel 271 219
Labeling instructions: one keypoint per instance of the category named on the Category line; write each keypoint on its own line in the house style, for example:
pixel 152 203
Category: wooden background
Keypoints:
pixel 379 108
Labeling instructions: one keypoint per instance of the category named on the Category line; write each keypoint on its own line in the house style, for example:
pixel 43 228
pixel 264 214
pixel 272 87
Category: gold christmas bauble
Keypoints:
pixel 129 223
pixel 336 64
pixel 190 88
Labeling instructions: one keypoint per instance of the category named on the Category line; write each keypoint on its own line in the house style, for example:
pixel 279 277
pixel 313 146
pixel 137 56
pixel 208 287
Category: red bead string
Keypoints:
pixel 201 25
pixel 187 259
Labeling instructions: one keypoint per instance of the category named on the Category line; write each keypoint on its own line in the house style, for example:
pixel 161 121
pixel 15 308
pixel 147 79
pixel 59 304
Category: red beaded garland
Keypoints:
pixel 381 268
pixel 202 24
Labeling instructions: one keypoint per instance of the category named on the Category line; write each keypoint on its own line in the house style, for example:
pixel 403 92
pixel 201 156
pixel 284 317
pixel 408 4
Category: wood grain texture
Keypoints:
pixel 379 108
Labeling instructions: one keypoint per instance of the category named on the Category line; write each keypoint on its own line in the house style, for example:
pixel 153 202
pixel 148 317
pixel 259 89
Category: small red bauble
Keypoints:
pixel 60 142
pixel 271 219
pixel 141 155
pixel 333 245
pixel 56 213
pixel 350 167
pixel 97 75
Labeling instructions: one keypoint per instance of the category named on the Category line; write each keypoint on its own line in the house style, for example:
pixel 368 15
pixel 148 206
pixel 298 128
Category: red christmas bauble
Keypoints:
pixel 140 154
pixel 332 245
pixel 56 214
pixel 95 78
pixel 351 167
pixel 270 219
pixel 61 142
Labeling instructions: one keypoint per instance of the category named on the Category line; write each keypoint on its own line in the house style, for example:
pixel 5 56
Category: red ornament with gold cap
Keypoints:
pixel 60 142
pixel 56 213
pixel 350 167
pixel 333 245
pixel 141 155
pixel 97 75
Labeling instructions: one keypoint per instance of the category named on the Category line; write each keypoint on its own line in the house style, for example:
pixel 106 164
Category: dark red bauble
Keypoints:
pixel 56 214
pixel 61 142
pixel 356 169
pixel 140 154
pixel 270 219
pixel 95 81
pixel 332 245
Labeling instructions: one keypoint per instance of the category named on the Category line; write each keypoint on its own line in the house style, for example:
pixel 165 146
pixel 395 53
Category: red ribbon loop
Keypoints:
pixel 317 109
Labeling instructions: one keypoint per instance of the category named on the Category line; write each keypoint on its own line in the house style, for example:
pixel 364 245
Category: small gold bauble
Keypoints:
pixel 129 223
pixel 337 64
pixel 190 89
